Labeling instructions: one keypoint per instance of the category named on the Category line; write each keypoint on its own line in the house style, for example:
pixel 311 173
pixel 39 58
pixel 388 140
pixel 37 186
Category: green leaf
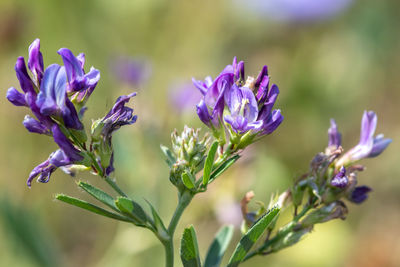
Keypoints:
pixel 158 223
pixel 90 207
pixel 209 162
pixel 219 246
pixel 188 180
pixel 251 237
pixel 132 209
pixel 99 195
pixel 189 249
pixel 224 166
pixel 170 156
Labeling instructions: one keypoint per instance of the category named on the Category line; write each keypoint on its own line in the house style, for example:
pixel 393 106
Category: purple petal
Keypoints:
pixel 260 77
pixel 340 180
pixel 380 144
pixel 35 61
pixel 73 66
pixel 70 116
pixel 368 126
pixel 263 89
pixel 16 97
pixel 202 112
pixel 35 126
pixel 65 144
pixel 273 122
pixel 360 194
pixel 41 168
pixel 51 99
pixel 81 59
pixel 335 137
pixel 23 77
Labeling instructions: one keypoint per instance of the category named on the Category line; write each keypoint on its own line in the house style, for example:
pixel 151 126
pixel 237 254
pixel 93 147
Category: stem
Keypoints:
pixel 112 183
pixel 184 200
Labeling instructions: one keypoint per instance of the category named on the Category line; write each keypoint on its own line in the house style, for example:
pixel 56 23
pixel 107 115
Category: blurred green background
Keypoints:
pixel 336 67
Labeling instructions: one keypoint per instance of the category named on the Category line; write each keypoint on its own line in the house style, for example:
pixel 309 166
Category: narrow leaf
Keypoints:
pixel 158 223
pixel 99 194
pixel 251 237
pixel 90 207
pixel 209 162
pixel 188 180
pixel 132 209
pixel 219 246
pixel 189 249
pixel 224 166
pixel 170 156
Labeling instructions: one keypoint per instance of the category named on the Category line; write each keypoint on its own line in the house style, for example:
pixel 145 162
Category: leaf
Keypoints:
pixel 251 237
pixel 209 162
pixel 132 209
pixel 90 207
pixel 217 172
pixel 158 223
pixel 219 246
pixel 189 249
pixel 99 195
pixel 170 156
pixel 188 180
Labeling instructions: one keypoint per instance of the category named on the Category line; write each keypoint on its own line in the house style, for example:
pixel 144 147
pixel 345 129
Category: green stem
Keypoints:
pixel 112 183
pixel 184 200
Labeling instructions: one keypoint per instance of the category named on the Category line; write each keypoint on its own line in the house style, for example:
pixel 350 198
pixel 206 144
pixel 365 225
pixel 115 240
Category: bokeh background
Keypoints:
pixel 330 58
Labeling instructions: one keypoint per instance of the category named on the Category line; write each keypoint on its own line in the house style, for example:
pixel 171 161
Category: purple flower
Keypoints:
pixel 46 168
pixel 368 146
pixel 335 137
pixel 340 180
pixel 359 194
pixel 77 79
pixel 249 103
pixel 134 72
pixel 297 10
pixel 65 144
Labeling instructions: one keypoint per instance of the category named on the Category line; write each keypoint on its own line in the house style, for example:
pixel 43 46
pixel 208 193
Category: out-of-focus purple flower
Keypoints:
pixel 53 100
pixel 46 168
pixel 335 137
pixel 35 126
pixel 184 97
pixel 132 71
pixel 296 10
pixel 359 194
pixel 340 180
pixel 35 62
pixel 16 97
pixel 368 146
pixel 77 79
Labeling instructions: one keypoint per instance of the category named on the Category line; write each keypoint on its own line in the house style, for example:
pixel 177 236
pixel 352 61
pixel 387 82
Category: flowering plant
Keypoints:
pixel 237 110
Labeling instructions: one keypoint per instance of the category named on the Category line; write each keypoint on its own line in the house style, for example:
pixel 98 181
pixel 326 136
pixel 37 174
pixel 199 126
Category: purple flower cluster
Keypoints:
pixel 56 96
pixel 243 106
pixel 368 146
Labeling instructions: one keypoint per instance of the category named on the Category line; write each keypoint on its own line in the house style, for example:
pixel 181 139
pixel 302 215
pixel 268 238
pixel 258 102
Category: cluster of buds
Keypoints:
pixel 189 153
pixel 56 96
pixel 242 106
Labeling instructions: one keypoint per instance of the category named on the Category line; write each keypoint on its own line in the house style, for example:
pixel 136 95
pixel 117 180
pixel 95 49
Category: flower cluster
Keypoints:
pixel 56 96
pixel 243 106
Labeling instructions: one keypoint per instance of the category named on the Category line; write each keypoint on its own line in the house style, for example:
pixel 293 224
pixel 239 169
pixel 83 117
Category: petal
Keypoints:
pixel 380 144
pixel 23 77
pixel 335 137
pixel 16 97
pixel 35 61
pixel 65 144
pixel 368 126
pixel 250 111
pixel 260 77
pixel 35 126
pixel 73 66
pixel 273 122
pixel 340 180
pixel 36 171
pixel 360 194
pixel 202 112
